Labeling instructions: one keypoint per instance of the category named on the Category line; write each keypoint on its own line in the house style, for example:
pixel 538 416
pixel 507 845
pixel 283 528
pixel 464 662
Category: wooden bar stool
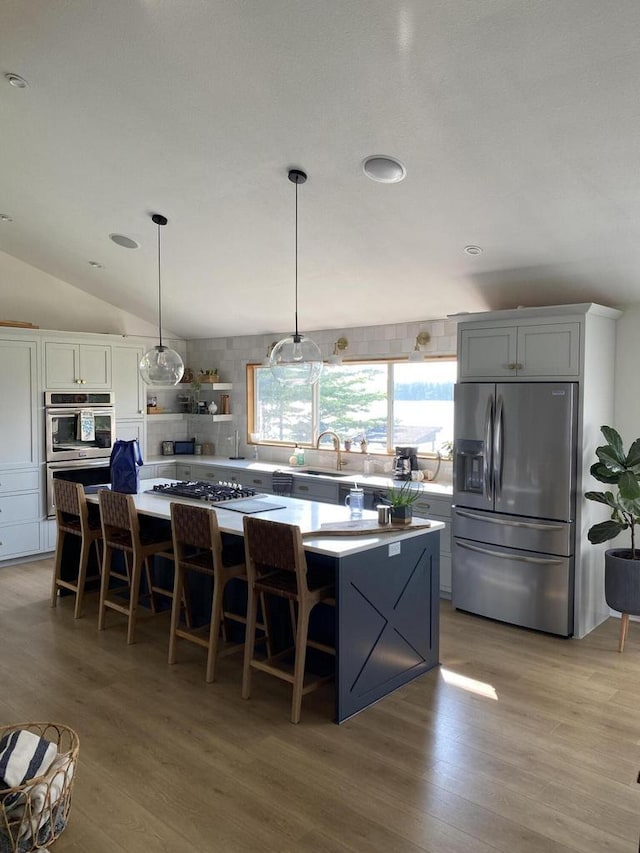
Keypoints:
pixel 198 547
pixel 74 517
pixel 276 565
pixel 121 532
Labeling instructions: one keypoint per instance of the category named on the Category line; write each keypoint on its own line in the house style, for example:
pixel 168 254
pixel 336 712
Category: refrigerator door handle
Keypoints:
pixel 527 524
pixel 497 449
pixel 505 556
pixel 488 454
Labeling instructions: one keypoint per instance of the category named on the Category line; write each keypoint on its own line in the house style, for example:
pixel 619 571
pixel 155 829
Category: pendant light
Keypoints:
pixel 296 360
pixel 161 365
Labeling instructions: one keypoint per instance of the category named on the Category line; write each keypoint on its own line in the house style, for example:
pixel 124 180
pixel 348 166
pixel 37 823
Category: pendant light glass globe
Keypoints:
pixel 296 360
pixel 160 365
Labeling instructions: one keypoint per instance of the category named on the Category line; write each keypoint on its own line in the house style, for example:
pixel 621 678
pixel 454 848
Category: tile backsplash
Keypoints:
pixel 231 355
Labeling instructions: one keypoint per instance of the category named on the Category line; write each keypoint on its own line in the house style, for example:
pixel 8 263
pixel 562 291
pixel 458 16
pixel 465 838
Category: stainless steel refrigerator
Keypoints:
pixel 514 502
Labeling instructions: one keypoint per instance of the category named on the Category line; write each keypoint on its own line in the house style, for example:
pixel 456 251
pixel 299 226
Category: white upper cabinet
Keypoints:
pixel 128 389
pixel 69 365
pixel 525 351
pixel 19 411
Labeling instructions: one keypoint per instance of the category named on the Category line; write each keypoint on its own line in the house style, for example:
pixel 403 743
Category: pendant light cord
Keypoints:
pixel 296 253
pixel 159 291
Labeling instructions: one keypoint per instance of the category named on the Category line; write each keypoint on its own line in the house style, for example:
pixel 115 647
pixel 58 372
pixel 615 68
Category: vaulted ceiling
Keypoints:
pixel 518 123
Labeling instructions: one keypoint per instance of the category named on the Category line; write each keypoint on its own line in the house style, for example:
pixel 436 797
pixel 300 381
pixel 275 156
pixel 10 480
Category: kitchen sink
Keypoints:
pixel 316 473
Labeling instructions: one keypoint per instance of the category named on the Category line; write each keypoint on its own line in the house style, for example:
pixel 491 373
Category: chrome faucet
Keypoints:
pixel 336 446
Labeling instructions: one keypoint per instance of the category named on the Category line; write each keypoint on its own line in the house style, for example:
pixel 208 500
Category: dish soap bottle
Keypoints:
pixel 300 456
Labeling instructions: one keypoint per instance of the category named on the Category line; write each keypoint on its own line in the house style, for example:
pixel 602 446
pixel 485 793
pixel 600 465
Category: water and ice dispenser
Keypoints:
pixel 469 466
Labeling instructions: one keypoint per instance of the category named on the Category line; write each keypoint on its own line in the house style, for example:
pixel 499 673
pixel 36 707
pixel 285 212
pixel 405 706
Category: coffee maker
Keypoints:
pixel 405 461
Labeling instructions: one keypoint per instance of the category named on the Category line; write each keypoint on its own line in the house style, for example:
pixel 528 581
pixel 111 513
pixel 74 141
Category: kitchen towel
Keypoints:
pixel 282 483
pixel 86 425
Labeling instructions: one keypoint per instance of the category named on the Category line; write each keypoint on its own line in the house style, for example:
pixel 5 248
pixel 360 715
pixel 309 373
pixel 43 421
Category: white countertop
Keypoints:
pixel 376 481
pixel 307 515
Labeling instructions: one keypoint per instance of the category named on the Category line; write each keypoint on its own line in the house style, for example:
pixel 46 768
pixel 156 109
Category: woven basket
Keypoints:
pixel 37 812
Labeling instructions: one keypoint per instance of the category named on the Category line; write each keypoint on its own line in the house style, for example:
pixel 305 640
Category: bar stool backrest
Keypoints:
pixel 272 545
pixel 119 518
pixel 68 497
pixel 194 525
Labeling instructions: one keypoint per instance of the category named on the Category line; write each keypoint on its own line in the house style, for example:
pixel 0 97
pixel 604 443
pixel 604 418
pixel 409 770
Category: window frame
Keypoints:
pixel 251 380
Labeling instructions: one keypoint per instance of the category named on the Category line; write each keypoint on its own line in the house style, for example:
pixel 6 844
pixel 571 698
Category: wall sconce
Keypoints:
pixel 422 339
pixel 338 348
pixel 266 361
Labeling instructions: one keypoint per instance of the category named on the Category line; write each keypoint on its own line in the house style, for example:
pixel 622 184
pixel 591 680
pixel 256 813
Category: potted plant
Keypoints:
pixel 209 377
pixel 622 565
pixel 402 500
pixel 195 396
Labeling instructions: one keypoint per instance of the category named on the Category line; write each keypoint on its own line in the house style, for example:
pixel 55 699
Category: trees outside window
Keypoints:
pixel 385 402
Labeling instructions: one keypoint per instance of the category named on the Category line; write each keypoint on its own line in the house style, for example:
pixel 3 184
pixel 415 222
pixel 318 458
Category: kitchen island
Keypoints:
pixel 387 586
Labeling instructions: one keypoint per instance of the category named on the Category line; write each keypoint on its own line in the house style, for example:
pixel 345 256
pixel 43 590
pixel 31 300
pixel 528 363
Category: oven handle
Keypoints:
pixel 75 410
pixel 100 462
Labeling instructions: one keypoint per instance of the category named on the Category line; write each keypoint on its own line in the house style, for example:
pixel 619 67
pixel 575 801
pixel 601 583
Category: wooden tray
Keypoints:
pixel 362 526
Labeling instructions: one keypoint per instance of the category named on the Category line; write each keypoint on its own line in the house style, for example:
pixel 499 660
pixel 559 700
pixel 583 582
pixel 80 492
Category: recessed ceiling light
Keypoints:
pixel 5 218
pixel 16 80
pixel 385 170
pixel 96 265
pixel 473 250
pixel 125 242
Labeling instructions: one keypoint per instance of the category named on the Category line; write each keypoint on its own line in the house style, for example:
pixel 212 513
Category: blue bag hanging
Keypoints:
pixel 125 461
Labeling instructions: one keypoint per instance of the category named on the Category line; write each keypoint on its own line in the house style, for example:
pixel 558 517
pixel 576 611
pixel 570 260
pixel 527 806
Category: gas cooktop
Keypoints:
pixel 197 490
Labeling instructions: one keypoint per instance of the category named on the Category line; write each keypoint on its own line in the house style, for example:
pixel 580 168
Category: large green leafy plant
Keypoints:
pixel 620 469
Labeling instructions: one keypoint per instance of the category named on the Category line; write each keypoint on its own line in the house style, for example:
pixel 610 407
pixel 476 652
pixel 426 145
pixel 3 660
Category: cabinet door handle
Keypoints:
pixel 257 482
pixel 519 366
pixel 303 488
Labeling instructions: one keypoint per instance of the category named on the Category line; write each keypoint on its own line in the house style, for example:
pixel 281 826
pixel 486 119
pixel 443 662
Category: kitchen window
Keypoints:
pixel 386 402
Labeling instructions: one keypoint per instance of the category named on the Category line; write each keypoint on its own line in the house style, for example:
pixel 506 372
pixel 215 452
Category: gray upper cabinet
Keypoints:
pixel 20 411
pixel 69 365
pixel 128 389
pixel 523 351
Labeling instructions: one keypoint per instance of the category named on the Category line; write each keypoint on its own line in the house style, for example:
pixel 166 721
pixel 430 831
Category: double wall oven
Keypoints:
pixel 80 430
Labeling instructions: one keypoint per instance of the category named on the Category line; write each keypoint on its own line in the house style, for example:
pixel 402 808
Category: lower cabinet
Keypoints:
pixel 315 490
pixel 184 472
pixel 166 469
pixel 260 481
pixel 19 513
pixel 17 540
pixel 439 509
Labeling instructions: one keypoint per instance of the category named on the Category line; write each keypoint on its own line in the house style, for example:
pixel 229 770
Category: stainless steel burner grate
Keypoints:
pixel 197 490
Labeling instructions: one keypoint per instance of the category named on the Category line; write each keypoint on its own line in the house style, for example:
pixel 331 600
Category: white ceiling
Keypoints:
pixel 518 123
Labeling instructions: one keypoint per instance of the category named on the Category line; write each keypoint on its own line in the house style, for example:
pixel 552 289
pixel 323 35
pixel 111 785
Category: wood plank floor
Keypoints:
pixel 520 742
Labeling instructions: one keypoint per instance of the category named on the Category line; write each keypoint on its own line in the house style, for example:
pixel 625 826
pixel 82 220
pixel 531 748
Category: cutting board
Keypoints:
pixel 361 526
